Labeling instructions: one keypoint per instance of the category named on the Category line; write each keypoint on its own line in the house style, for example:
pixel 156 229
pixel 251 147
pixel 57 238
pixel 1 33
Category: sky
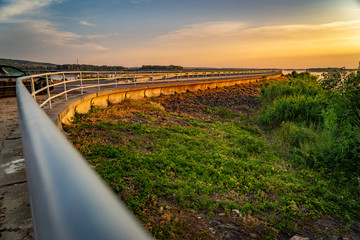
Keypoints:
pixel 190 33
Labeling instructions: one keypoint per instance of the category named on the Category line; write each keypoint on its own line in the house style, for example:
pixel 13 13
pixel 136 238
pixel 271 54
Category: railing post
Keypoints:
pixel 48 90
pixel 81 84
pixel 115 80
pixel 98 81
pixel 64 86
pixel 33 88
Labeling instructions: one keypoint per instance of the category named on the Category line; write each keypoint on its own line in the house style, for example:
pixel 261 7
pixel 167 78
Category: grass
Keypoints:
pixel 171 166
pixel 317 127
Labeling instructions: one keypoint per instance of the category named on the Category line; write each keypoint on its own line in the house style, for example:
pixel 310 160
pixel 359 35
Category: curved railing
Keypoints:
pixel 60 84
pixel 68 199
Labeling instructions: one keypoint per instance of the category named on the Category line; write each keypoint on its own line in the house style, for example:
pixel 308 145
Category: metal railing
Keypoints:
pixel 61 84
pixel 68 199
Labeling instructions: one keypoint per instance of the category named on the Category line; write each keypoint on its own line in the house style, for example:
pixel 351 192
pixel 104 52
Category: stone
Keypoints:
pixel 237 212
pixel 296 237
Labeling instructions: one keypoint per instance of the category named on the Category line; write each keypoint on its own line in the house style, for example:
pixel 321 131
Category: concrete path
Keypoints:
pixel 15 216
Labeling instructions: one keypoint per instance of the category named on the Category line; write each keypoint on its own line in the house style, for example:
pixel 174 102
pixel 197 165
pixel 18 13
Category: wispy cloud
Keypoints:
pixel 87 24
pixel 48 33
pixel 23 7
pixel 237 35
pixel 233 43
pixel 25 14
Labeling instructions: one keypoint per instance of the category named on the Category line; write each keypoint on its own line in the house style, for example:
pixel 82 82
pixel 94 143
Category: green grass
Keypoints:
pixel 318 129
pixel 153 158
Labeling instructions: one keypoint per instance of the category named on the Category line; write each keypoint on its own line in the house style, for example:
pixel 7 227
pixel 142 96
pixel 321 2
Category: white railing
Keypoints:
pixel 68 199
pixel 60 84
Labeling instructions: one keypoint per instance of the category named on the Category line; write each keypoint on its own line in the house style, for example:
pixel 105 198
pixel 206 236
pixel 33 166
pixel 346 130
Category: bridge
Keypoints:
pixel 68 200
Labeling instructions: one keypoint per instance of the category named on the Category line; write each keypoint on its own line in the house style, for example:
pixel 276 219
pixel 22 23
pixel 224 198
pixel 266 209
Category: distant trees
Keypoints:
pixel 87 67
pixel 161 68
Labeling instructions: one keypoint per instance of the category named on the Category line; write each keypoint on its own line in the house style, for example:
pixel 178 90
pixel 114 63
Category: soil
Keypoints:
pixel 9 118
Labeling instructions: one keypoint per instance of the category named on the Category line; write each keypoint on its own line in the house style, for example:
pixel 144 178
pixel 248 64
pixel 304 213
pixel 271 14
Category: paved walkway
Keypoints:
pixel 15 213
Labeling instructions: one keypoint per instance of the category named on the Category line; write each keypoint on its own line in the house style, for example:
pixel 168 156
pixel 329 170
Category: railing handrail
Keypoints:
pixel 122 77
pixel 68 199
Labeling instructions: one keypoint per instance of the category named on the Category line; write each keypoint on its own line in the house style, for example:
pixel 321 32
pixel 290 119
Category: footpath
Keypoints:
pixel 15 212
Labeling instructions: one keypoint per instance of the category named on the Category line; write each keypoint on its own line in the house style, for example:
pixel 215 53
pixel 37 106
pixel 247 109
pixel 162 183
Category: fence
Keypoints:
pixel 61 84
pixel 68 199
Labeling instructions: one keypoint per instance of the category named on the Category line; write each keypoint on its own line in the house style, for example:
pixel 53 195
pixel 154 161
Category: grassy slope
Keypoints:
pixel 178 170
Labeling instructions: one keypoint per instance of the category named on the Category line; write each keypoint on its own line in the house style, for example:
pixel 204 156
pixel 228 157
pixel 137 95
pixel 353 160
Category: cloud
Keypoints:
pixel 237 37
pixel 22 7
pixel 203 31
pixel 87 23
pixel 48 33
pixel 236 44
pixel 24 15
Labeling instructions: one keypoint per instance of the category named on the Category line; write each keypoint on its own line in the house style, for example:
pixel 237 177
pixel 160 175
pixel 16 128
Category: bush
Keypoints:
pixel 319 122
pixel 295 135
pixel 303 85
pixel 297 108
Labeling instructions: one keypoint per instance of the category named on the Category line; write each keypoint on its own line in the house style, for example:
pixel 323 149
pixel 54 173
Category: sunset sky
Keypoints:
pixel 191 33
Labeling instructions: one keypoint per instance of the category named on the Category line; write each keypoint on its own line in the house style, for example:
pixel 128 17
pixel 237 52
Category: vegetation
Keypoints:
pixel 180 169
pixel 161 68
pixel 319 123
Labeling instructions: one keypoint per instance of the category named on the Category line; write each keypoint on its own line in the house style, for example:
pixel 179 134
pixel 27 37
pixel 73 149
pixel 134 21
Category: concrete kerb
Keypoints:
pixel 102 99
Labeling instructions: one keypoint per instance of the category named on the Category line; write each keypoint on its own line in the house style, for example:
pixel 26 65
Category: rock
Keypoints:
pixel 253 235
pixel 212 230
pixel 237 212
pixel 296 237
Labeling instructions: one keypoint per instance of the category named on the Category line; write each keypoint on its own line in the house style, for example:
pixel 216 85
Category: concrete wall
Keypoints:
pixel 102 99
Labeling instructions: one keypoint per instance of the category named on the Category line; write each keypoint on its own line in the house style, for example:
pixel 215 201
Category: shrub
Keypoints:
pixel 319 122
pixel 295 135
pixel 303 85
pixel 297 108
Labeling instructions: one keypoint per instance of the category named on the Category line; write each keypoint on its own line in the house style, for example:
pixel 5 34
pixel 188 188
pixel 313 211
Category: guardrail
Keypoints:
pixel 65 83
pixel 68 199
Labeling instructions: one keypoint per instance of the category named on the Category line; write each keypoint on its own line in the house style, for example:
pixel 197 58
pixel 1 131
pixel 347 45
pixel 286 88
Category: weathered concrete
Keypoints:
pixel 15 214
pixel 136 94
pixel 100 101
pixel 152 92
pixel 117 97
pixel 83 107
pixel 168 90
